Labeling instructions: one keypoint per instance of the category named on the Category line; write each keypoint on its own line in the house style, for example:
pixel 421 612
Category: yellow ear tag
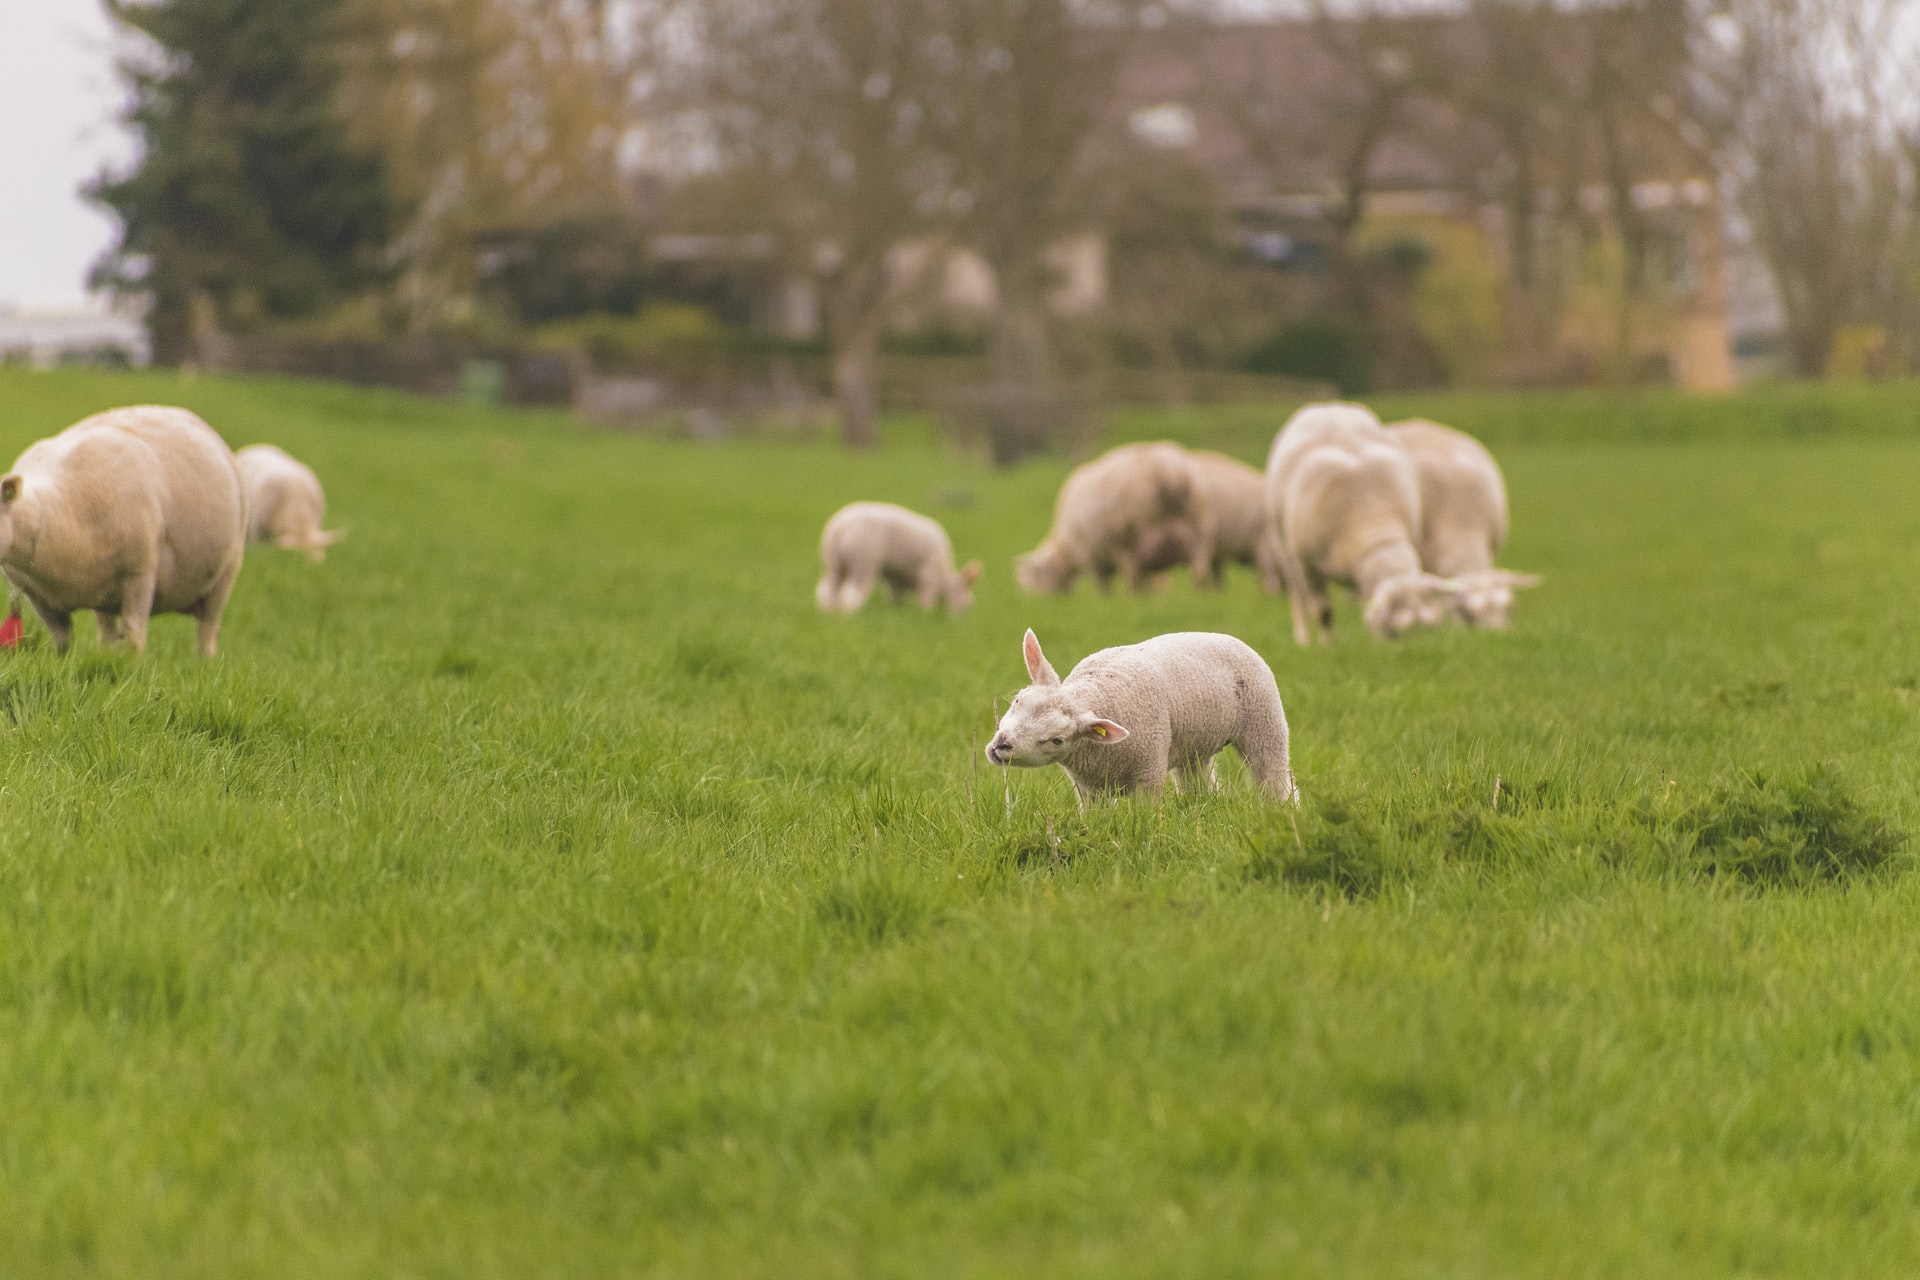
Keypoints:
pixel 1100 729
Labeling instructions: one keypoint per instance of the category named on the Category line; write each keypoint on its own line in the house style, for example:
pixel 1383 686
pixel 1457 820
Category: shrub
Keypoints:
pixel 1322 350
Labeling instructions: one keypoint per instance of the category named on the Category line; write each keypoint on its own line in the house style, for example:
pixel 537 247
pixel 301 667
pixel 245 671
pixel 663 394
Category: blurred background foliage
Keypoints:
pixel 1019 210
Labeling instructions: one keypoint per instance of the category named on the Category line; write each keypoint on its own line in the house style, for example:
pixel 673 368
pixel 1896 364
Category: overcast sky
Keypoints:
pixel 57 102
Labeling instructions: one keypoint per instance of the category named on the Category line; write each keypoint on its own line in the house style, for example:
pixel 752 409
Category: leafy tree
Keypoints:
pixel 249 203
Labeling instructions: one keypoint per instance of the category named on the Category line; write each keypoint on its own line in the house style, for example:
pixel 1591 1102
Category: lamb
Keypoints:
pixel 285 503
pixel 1345 502
pixel 865 542
pixel 1103 510
pixel 1128 718
pixel 129 513
pixel 1463 514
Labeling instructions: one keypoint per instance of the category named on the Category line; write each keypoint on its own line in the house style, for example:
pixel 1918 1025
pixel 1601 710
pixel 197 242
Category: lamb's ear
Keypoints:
pixel 1101 730
pixel 1039 670
pixel 970 572
pixel 10 487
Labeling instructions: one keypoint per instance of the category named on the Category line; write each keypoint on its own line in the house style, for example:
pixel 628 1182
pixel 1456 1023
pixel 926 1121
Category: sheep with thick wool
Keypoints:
pixel 1344 499
pixel 865 543
pixel 1128 718
pixel 130 513
pixel 285 503
pixel 1105 508
pixel 1463 519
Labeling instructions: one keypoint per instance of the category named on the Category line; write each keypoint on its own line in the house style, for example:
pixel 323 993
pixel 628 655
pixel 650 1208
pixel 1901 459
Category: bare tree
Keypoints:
pixel 490 113
pixel 1025 85
pixel 819 110
pixel 1813 94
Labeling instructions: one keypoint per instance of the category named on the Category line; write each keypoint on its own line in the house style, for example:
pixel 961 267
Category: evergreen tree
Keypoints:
pixel 248 192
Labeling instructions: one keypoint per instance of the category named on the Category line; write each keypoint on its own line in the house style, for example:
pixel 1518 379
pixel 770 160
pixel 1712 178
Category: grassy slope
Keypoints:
pixel 540 887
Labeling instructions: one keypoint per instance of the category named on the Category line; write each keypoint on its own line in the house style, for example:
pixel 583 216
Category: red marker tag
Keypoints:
pixel 10 631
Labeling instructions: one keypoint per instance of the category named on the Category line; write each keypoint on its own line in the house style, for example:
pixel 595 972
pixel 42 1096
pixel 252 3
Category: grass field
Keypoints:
pixel 541 887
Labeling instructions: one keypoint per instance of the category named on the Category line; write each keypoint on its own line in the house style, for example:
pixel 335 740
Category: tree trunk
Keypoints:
pixel 856 358
pixel 1024 420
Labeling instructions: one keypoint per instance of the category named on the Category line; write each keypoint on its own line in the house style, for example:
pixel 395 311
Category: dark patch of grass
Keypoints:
pixel 1793 833
pixel 456 663
pixel 1338 844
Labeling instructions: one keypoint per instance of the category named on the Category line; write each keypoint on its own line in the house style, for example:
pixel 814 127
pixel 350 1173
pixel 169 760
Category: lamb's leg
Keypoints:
pixel 136 603
pixel 208 611
pixel 855 588
pixel 827 594
pixel 109 626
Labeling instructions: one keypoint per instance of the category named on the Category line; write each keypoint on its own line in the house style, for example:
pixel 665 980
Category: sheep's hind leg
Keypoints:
pixel 208 610
pixel 1271 769
pixel 136 604
pixel 108 624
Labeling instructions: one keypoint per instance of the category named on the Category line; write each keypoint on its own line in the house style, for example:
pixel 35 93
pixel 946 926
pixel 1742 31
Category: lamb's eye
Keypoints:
pixel 1056 741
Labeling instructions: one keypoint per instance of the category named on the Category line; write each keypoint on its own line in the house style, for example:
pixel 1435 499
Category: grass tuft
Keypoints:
pixel 1793 833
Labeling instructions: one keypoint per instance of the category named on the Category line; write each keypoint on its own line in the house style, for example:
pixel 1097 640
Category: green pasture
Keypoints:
pixel 542 888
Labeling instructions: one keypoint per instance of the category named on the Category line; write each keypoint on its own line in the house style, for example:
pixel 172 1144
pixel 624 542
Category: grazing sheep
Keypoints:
pixel 1104 508
pixel 1345 502
pixel 1463 519
pixel 866 542
pixel 129 513
pixel 1126 718
pixel 285 503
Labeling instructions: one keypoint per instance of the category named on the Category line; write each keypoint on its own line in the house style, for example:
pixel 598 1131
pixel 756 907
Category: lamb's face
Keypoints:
pixel 1043 723
pixel 1486 599
pixel 1407 601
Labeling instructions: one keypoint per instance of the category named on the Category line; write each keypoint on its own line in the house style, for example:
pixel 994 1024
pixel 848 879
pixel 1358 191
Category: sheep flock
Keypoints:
pixel 146 510
pixel 1409 517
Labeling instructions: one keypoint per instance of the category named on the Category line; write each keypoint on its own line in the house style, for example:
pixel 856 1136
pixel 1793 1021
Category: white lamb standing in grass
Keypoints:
pixel 1125 719
pixel 129 513
pixel 1105 508
pixel 1463 519
pixel 1345 501
pixel 285 503
pixel 869 542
